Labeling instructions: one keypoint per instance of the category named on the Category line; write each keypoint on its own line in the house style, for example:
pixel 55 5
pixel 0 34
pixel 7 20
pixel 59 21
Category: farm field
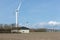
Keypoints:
pixel 31 36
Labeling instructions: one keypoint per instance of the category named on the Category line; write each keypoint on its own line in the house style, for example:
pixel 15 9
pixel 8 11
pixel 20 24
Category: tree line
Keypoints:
pixel 8 27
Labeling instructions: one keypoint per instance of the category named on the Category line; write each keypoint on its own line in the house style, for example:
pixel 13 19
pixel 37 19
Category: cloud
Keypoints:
pixel 48 24
pixel 53 23
pixel 39 25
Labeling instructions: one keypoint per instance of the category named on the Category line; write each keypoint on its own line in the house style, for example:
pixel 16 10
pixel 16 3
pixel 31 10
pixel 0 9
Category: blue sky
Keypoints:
pixel 32 11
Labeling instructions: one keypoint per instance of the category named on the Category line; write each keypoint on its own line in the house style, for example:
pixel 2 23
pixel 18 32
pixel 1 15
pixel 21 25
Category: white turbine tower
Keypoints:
pixel 17 11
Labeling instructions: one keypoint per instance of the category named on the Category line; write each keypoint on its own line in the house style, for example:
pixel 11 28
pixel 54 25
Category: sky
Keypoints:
pixel 32 12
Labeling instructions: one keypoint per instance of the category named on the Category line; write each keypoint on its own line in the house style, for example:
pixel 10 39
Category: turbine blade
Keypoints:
pixel 19 5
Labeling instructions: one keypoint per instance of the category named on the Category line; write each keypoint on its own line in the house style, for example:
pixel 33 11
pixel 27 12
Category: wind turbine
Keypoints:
pixel 17 11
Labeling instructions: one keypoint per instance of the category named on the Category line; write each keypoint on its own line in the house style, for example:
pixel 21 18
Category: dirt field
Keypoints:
pixel 31 36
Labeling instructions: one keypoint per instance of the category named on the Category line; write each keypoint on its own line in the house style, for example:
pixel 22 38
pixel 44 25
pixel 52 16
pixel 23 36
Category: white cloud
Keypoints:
pixel 49 23
pixel 53 23
pixel 46 24
pixel 39 25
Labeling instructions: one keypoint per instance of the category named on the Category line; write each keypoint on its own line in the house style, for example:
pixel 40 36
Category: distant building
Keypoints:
pixel 24 30
pixel 21 30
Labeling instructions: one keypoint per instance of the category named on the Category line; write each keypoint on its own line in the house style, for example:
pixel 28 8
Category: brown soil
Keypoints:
pixel 31 36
